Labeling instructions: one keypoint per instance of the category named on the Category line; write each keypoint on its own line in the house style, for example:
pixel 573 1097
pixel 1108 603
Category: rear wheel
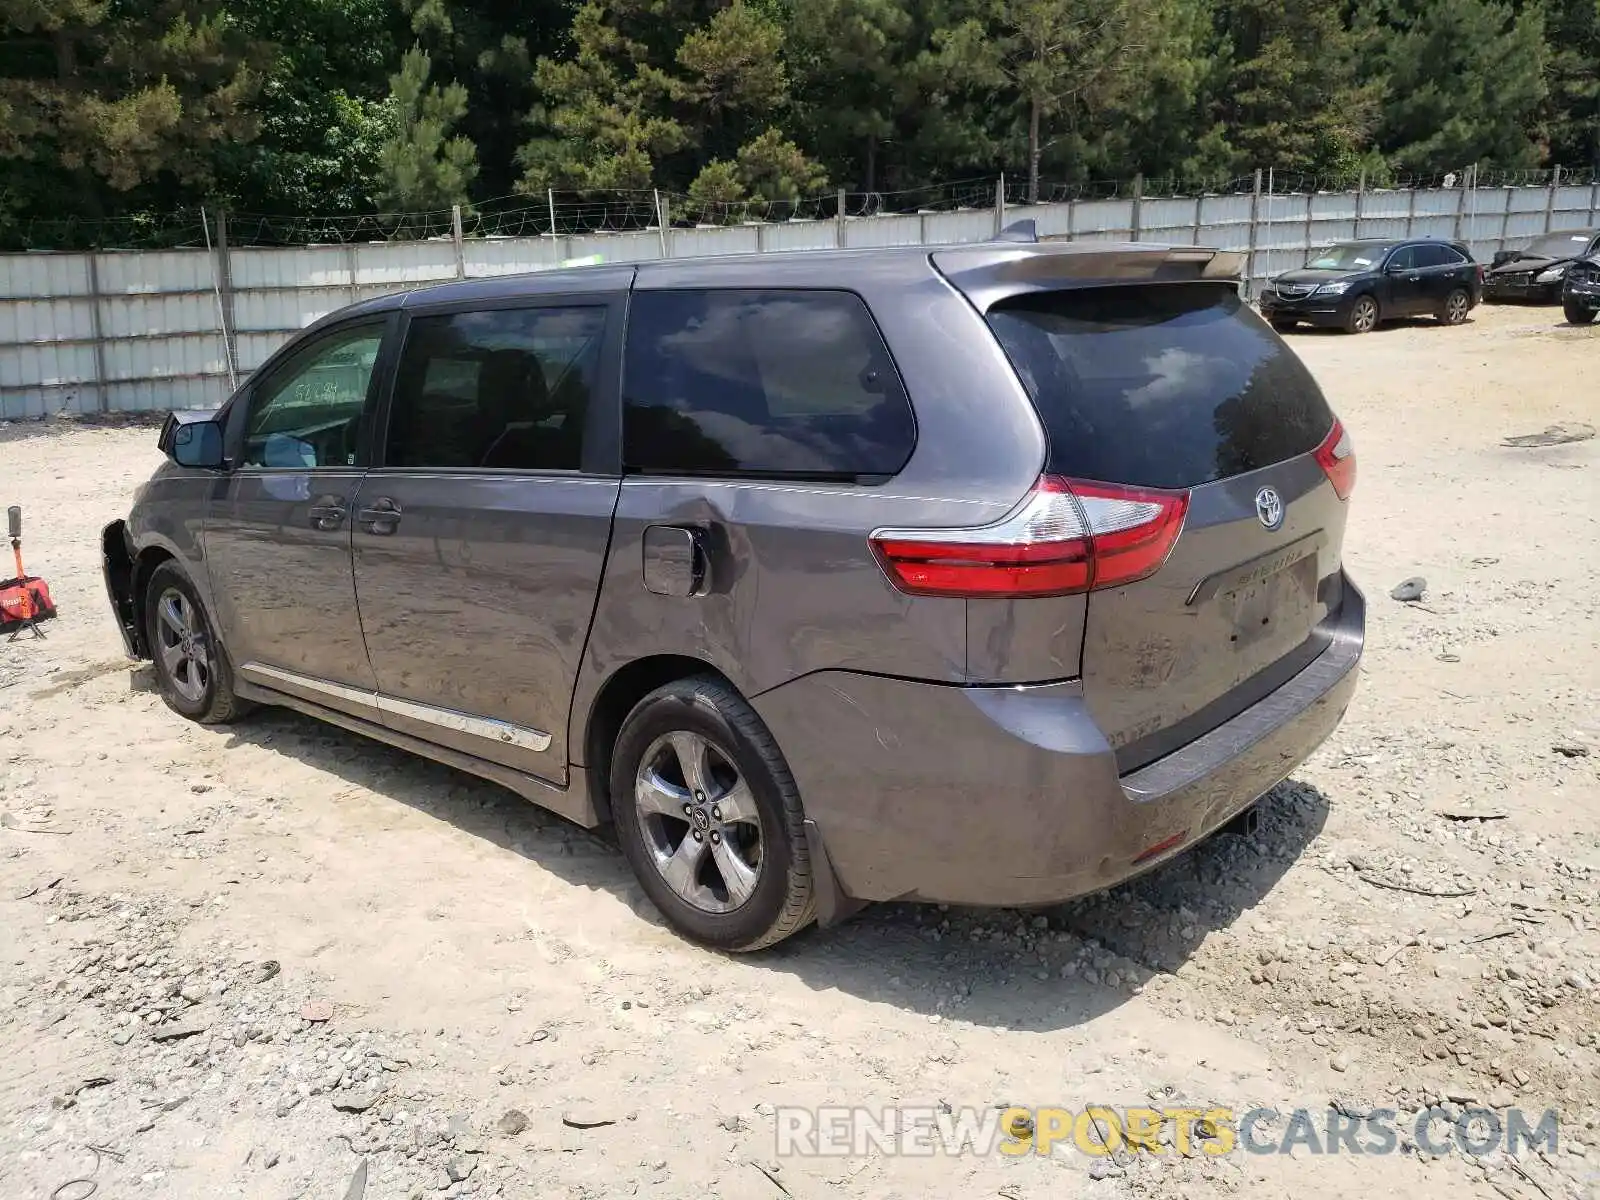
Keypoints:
pixel 710 818
pixel 192 669
pixel 1363 316
pixel 1284 324
pixel 1577 314
pixel 1455 308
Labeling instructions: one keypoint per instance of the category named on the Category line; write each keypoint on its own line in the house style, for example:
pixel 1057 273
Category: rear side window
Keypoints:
pixel 784 384
pixel 1438 256
pixel 504 388
pixel 1169 386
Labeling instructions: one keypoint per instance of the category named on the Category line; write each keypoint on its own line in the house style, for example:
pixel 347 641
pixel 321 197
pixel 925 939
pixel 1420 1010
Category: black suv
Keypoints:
pixel 1580 292
pixel 1355 285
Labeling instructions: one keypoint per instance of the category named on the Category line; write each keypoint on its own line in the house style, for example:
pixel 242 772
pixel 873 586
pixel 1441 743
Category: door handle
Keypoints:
pixel 382 516
pixel 327 513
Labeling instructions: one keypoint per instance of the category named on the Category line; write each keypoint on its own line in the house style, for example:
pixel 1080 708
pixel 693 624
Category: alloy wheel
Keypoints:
pixel 1456 308
pixel 700 821
pixel 1366 315
pixel 182 647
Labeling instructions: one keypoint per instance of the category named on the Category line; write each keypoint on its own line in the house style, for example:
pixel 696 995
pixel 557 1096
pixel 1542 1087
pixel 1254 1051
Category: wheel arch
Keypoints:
pixel 617 697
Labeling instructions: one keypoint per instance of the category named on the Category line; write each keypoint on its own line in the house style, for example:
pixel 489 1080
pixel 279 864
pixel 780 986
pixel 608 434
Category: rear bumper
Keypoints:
pixel 1011 796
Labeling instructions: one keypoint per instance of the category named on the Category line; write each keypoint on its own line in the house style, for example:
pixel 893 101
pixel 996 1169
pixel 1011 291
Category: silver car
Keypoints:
pixel 989 575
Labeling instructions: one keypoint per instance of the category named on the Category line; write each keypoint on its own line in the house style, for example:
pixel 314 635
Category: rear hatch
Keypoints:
pixel 1180 389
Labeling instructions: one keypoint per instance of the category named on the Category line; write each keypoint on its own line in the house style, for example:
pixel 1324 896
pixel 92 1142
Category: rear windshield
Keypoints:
pixel 1170 385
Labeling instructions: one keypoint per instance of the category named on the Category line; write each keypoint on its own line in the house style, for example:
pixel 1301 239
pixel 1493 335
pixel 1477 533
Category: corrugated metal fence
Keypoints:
pixel 121 331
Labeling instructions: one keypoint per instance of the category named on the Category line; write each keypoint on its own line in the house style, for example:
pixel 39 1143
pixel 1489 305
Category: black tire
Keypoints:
pixel 1577 314
pixel 1284 324
pixel 213 701
pixel 1457 305
pixel 1364 315
pixel 781 901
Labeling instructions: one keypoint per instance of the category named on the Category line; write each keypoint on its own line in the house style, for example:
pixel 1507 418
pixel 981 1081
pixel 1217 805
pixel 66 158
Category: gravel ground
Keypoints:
pixel 275 961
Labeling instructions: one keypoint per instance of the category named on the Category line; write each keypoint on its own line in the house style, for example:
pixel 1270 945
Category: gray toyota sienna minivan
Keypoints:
pixel 990 575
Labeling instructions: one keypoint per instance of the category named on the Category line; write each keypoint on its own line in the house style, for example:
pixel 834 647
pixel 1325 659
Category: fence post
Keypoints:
pixel 1198 201
pixel 661 225
pixel 1550 200
pixel 1000 204
pixel 1361 198
pixel 455 240
pixel 1411 211
pixel 350 266
pixel 1472 211
pixel 1461 204
pixel 1255 215
pixel 1505 216
pixel 1137 219
pixel 550 199
pixel 838 223
pixel 102 396
pixel 1311 201
pixel 230 329
pixel 1072 218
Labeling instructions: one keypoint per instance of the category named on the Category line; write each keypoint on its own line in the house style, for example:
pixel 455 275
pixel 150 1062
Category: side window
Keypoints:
pixel 1438 256
pixel 789 384
pixel 502 388
pixel 1403 259
pixel 308 412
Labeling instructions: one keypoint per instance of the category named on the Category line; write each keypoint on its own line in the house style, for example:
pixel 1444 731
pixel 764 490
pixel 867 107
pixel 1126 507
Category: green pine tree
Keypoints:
pixel 422 164
pixel 1462 81
pixel 99 100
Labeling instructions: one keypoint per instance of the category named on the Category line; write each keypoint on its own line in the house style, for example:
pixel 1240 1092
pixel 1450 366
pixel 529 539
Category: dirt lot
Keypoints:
pixel 374 959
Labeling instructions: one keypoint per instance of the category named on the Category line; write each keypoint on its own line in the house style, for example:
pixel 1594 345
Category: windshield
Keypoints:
pixel 1345 258
pixel 1558 245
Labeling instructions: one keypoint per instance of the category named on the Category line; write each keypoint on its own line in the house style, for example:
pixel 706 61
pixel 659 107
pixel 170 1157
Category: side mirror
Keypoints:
pixel 1397 269
pixel 191 443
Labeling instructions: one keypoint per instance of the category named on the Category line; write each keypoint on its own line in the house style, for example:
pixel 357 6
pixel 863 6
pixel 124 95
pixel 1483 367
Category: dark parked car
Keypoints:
pixel 1355 285
pixel 992 575
pixel 1535 272
pixel 1580 291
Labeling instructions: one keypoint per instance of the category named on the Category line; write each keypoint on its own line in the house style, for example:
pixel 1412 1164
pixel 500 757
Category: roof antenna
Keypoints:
pixel 1019 231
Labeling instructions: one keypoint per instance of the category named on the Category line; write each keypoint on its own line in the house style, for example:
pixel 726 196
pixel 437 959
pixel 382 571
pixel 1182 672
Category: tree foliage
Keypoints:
pixel 351 106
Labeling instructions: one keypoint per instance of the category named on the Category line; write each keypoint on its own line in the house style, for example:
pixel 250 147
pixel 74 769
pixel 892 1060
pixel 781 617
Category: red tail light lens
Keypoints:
pixel 1337 454
pixel 1066 537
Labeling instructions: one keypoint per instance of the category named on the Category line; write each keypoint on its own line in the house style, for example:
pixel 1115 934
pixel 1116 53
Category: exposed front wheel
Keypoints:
pixel 1455 308
pixel 192 670
pixel 1363 316
pixel 710 818
pixel 1577 314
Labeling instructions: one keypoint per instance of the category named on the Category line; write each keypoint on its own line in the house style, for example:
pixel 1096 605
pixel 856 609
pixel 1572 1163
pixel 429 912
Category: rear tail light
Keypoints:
pixel 1066 537
pixel 1338 458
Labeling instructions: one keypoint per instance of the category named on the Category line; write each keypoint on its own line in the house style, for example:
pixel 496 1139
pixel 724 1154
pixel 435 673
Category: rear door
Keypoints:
pixel 1444 270
pixel 481 533
pixel 1183 387
pixel 1406 292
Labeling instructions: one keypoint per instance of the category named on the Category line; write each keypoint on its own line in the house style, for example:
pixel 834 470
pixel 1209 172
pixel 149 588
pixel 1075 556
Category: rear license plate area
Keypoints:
pixel 1278 611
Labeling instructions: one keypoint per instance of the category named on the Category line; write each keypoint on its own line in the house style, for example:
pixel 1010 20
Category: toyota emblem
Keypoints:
pixel 1269 507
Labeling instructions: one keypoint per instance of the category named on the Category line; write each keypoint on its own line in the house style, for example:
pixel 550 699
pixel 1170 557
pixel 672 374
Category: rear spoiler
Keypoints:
pixel 1018 261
